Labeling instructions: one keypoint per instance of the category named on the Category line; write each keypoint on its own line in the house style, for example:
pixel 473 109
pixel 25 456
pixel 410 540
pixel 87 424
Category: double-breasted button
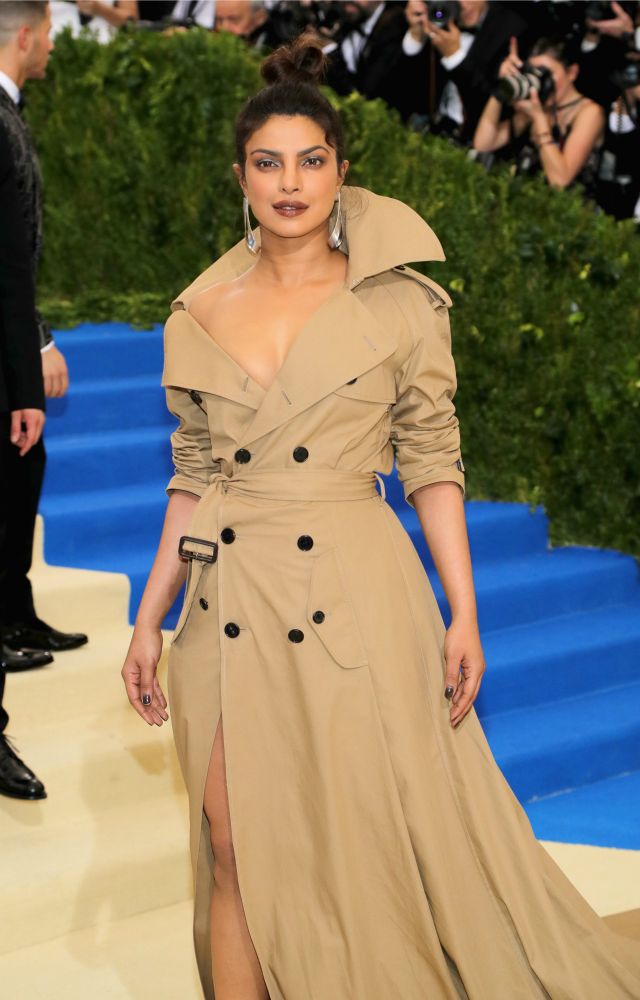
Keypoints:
pixel 196 397
pixel 204 604
pixel 300 454
pixel 318 617
pixel 353 380
pixel 227 535
pixel 305 543
pixel 232 630
pixel 295 635
pixel 242 456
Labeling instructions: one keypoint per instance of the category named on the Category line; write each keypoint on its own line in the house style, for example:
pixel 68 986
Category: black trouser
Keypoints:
pixel 20 485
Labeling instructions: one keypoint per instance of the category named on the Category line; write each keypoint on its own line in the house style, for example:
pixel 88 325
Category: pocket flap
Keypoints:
pixel 375 386
pixel 194 572
pixel 330 613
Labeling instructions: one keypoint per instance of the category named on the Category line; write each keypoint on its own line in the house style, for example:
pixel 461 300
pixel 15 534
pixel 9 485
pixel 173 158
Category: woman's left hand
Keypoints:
pixel 532 108
pixel 465 666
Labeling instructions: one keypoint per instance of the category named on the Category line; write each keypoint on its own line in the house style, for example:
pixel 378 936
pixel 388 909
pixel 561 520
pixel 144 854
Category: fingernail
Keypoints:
pixel 146 699
pixel 448 692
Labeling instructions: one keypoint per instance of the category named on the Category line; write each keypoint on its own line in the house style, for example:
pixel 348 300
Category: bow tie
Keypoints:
pixel 473 30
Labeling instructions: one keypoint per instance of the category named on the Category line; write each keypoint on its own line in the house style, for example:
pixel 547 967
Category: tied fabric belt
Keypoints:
pixel 279 485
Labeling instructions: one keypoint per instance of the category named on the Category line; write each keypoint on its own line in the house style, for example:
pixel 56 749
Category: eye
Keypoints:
pixel 266 163
pixel 313 161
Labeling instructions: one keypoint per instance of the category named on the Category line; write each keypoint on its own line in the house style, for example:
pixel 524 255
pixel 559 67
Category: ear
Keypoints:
pixel 572 72
pixel 260 17
pixel 24 37
pixel 343 173
pixel 237 169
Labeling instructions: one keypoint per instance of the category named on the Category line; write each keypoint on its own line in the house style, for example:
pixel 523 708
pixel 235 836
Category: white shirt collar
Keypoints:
pixel 10 86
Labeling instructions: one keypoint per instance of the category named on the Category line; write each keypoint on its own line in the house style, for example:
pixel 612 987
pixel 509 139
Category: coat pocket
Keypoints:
pixel 375 386
pixel 194 575
pixel 330 612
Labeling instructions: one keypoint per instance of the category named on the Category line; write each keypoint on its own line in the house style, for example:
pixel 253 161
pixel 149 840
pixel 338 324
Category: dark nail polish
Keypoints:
pixel 146 699
pixel 448 692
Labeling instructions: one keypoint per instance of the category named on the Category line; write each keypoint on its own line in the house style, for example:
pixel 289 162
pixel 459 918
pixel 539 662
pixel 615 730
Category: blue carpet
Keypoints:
pixel 560 701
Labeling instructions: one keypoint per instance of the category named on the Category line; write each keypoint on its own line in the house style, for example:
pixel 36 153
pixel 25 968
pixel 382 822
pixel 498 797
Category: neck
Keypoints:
pixel 294 261
pixel 571 95
pixel 10 64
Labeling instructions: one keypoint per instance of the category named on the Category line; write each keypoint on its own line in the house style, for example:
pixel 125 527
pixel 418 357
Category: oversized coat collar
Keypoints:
pixel 340 342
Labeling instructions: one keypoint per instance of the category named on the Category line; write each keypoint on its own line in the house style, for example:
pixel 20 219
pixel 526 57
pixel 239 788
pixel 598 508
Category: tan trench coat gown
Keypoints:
pixel 381 855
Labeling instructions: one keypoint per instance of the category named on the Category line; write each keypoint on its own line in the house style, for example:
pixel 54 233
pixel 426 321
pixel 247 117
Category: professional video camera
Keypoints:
pixel 442 14
pixel 518 87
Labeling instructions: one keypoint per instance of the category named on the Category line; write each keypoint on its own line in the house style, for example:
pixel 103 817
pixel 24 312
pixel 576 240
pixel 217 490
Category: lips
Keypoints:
pixel 290 209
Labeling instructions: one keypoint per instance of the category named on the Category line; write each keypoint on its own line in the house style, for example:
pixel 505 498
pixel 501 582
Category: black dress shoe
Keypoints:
pixel 16 779
pixel 14 660
pixel 36 634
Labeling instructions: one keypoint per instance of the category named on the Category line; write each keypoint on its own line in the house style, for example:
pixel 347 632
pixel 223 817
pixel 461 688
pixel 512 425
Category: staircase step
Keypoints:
pixel 65 877
pixel 110 350
pixel 136 563
pixel 99 405
pixel 568 744
pixel 107 460
pixel 605 814
pixel 534 664
pixel 102 523
pixel 560 582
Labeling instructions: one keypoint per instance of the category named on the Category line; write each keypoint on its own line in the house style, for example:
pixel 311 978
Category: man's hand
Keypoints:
pixel 26 428
pixel 616 26
pixel 54 370
pixel 447 42
pixel 416 15
pixel 513 63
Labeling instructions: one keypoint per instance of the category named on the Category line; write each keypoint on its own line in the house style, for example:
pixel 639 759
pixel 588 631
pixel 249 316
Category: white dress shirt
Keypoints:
pixel 10 86
pixel 356 40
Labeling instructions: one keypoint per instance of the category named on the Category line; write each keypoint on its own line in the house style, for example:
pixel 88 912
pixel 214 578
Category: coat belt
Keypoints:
pixel 294 485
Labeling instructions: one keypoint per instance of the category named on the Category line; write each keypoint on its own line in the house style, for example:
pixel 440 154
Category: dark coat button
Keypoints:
pixel 305 542
pixel 227 535
pixel 318 617
pixel 300 454
pixel 232 630
pixel 353 380
pixel 400 267
pixel 295 635
pixel 242 456
pixel 196 397
pixel 204 604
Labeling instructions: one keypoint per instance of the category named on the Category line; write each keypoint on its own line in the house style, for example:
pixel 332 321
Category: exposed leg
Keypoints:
pixel 236 971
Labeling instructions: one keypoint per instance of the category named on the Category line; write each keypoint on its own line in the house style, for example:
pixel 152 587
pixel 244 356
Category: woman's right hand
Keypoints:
pixel 512 64
pixel 140 675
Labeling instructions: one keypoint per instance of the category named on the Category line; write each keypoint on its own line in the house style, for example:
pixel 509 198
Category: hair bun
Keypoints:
pixel 302 61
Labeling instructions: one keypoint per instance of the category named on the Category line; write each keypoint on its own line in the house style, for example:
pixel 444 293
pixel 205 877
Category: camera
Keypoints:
pixel 442 14
pixel 519 87
pixel 627 76
pixel 599 10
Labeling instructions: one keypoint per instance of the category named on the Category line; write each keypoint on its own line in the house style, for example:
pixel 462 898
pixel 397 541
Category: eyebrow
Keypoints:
pixel 303 152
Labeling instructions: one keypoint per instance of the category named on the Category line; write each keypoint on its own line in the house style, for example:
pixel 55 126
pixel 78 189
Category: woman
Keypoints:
pixel 352 837
pixel 560 136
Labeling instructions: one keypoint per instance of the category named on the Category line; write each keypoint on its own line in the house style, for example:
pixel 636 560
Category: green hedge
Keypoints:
pixel 136 142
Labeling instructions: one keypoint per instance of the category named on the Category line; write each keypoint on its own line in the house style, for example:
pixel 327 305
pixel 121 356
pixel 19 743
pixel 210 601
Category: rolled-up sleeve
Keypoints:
pixel 191 444
pixel 424 430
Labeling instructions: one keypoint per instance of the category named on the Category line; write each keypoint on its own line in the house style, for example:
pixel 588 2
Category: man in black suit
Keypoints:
pixel 471 52
pixel 371 42
pixel 24 51
pixel 21 407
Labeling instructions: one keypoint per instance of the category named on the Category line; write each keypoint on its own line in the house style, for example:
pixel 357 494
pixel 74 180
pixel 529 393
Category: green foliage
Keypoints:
pixel 136 141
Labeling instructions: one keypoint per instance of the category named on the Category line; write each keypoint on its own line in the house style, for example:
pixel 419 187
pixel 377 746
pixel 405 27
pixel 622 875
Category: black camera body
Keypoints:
pixel 626 76
pixel 599 10
pixel 442 14
pixel 518 87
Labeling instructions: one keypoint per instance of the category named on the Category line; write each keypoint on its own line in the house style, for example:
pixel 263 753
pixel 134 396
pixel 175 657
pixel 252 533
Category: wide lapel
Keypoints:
pixel 193 360
pixel 340 342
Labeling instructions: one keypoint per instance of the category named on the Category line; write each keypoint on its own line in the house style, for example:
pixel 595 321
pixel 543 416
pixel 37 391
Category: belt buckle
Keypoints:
pixel 200 556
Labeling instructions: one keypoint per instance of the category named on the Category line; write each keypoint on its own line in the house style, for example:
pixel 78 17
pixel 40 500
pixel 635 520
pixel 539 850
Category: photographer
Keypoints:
pixel 472 45
pixel 603 48
pixel 366 47
pixel 618 182
pixel 551 126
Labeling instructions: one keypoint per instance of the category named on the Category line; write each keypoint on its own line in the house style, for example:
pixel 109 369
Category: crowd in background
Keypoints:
pixel 553 87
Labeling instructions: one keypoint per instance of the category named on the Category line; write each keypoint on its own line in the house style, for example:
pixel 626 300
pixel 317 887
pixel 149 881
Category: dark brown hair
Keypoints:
pixel 292 74
pixel 563 50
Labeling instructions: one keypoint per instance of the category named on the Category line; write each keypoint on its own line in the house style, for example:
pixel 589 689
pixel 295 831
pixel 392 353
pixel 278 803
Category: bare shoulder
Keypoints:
pixel 214 303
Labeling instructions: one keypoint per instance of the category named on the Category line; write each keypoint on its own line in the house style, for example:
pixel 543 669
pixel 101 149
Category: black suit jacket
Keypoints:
pixel 21 382
pixel 377 59
pixel 476 75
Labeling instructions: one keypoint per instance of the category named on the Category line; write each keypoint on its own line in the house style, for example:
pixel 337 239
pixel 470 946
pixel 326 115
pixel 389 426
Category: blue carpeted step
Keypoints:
pixel 567 744
pixel 102 523
pixel 109 404
pixel 497 531
pixel 86 462
pixel 605 814
pixel 110 350
pixel 535 664
pixel 561 582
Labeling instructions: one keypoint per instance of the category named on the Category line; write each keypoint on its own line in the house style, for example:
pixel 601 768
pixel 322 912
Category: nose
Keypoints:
pixel 289 179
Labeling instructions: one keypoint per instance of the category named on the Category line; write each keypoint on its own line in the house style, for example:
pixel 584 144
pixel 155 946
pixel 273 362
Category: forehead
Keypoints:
pixel 548 61
pixel 287 133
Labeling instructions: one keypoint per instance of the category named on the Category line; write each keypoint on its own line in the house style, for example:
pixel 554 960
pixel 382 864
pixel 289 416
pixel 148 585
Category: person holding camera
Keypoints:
pixel 618 182
pixel 550 125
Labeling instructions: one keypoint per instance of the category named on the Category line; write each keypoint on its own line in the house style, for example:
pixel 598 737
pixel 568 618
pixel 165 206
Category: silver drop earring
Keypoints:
pixel 335 238
pixel 249 238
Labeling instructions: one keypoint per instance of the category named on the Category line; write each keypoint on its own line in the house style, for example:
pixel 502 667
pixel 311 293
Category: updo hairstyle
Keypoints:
pixel 292 74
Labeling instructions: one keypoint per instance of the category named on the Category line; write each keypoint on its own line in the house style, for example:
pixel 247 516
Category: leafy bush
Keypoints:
pixel 136 142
